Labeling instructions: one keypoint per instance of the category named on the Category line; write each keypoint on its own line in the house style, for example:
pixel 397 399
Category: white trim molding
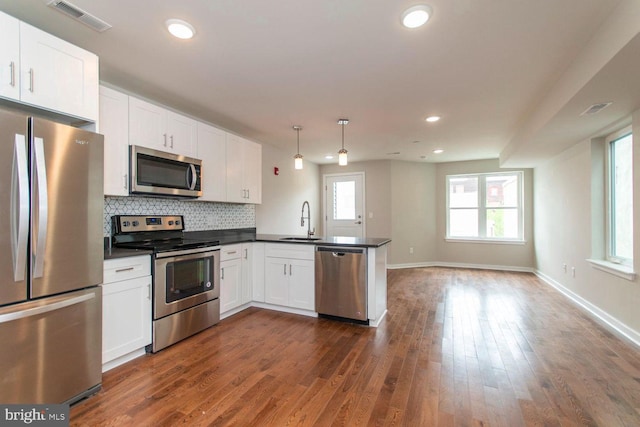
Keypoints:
pixel 461 265
pixel 612 322
pixel 619 270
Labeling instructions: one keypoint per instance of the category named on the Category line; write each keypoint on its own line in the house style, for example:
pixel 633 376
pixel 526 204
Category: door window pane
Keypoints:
pixel 344 203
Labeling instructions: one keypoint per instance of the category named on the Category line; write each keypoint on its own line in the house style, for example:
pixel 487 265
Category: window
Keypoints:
pixel 485 206
pixel 620 198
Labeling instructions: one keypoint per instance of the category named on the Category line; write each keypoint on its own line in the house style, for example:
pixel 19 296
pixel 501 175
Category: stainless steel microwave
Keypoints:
pixel 159 173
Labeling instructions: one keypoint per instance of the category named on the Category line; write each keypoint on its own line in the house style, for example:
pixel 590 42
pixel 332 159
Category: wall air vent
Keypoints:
pixel 596 108
pixel 79 15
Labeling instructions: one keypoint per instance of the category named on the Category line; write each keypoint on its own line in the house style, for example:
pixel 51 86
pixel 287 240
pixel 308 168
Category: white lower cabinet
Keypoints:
pixel 126 309
pixel 230 277
pixel 290 275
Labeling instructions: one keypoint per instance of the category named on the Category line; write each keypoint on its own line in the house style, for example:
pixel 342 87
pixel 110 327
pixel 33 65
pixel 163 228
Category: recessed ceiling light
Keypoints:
pixel 438 151
pixel 328 157
pixel 432 119
pixel 416 16
pixel 180 28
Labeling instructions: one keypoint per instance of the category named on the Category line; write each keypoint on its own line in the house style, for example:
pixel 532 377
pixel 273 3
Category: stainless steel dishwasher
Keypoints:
pixel 341 282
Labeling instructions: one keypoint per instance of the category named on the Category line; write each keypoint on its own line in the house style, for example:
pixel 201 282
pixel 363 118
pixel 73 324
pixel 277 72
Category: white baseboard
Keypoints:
pixel 612 322
pixel 123 359
pixel 461 265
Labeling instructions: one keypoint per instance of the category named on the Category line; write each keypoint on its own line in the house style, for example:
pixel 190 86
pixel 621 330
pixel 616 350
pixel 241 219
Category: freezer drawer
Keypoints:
pixel 51 348
pixel 341 282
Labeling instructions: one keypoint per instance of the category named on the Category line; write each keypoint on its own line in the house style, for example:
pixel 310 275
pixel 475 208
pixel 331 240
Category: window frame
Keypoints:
pixel 610 198
pixel 482 207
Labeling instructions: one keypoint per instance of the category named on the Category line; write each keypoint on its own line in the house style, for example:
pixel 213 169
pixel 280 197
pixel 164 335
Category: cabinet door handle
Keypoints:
pixel 122 270
pixel 164 135
pixel 12 82
pixel 149 291
pixel 171 138
pixel 124 184
pixel 31 80
pixel 289 269
pixel 248 193
pixel 231 252
pixel 222 273
pixel 285 269
pixel 246 253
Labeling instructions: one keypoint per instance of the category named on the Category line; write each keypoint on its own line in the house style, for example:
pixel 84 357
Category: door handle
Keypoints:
pixel 164 135
pixel 222 273
pixel 69 301
pixel 12 81
pixel 31 80
pixel 193 178
pixel 171 138
pixel 43 208
pixel 358 222
pixel 20 217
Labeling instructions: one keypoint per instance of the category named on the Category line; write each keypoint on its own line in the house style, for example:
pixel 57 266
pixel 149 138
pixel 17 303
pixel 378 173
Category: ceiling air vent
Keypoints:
pixel 596 108
pixel 79 15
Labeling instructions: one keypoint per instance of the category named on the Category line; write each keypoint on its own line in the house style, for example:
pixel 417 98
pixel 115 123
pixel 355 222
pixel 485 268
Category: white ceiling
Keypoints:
pixel 257 68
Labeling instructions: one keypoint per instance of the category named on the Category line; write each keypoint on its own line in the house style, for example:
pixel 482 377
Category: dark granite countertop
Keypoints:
pixel 113 253
pixel 363 242
pixel 241 235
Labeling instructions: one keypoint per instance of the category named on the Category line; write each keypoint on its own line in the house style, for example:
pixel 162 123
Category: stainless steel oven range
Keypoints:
pixel 186 275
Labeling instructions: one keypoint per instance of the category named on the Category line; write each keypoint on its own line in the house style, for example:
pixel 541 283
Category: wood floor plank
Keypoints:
pixel 457 348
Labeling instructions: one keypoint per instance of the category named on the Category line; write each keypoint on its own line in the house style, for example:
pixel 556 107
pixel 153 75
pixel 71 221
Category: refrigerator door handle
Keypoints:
pixel 42 210
pixel 20 216
pixel 16 315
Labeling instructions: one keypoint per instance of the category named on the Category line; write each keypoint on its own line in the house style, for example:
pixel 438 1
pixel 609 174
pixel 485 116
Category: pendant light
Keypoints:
pixel 342 154
pixel 297 159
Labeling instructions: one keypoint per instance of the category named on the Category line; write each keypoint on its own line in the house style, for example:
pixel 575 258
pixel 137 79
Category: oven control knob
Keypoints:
pixel 207 285
pixel 177 222
pixel 170 222
pixel 126 223
pixel 135 223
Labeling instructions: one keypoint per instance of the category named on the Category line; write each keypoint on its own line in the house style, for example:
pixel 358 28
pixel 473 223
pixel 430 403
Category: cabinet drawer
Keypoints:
pixel 279 250
pixel 119 269
pixel 228 252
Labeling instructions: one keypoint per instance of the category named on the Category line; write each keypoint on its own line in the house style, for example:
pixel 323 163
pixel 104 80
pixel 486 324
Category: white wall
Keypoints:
pixel 413 216
pixel 567 227
pixel 283 194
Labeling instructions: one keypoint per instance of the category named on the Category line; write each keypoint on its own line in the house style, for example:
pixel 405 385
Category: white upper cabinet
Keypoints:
pixel 154 127
pixel 9 57
pixel 114 125
pixel 39 69
pixel 212 151
pixel 244 170
pixel 57 75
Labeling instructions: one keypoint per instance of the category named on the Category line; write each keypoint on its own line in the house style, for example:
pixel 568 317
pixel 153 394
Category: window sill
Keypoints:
pixel 619 270
pixel 485 241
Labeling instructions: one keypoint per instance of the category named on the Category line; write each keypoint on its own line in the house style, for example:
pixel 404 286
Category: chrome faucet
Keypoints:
pixel 302 218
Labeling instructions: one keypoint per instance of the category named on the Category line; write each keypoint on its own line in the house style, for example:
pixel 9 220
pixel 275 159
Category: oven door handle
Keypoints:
pixel 183 252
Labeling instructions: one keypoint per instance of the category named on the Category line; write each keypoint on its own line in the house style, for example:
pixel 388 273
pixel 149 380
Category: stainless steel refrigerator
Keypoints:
pixel 51 255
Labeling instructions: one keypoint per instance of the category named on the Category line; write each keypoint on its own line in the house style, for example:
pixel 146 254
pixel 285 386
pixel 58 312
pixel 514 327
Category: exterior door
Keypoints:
pixel 344 205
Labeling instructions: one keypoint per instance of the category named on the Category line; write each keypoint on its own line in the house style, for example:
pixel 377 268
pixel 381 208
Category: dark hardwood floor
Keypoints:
pixel 458 348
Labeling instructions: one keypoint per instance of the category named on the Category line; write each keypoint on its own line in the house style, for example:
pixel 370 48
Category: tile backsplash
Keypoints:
pixel 198 216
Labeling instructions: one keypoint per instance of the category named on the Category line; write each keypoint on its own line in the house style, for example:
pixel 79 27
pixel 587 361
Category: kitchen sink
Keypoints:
pixel 303 239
